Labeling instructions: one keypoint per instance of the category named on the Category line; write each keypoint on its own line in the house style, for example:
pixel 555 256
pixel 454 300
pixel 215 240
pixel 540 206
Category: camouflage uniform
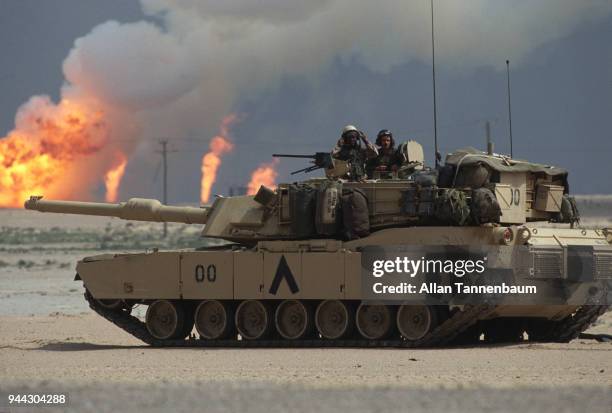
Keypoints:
pixel 356 156
pixel 389 158
pixel 386 157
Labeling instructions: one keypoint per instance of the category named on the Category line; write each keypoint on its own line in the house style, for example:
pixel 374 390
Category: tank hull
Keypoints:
pixel 307 274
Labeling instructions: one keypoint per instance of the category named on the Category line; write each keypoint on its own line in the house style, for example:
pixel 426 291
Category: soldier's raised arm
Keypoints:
pixel 370 150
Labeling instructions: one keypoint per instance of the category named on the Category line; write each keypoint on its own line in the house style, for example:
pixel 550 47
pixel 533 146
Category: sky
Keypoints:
pixel 297 73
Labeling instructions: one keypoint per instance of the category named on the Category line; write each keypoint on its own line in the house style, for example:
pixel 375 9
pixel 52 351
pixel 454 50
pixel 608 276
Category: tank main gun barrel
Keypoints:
pixel 135 209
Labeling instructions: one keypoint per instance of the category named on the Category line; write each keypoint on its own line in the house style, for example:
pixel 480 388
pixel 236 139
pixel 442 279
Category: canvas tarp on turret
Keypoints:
pixel 470 156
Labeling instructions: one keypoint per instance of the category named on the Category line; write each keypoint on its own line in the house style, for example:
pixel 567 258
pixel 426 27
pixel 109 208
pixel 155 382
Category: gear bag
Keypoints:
pixel 451 207
pixel 472 176
pixel 484 206
pixel 302 205
pixel 355 214
pixel 329 198
pixel 427 177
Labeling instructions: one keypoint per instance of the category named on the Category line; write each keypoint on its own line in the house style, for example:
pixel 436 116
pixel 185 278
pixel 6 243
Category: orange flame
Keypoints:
pixel 112 179
pixel 265 174
pixel 36 157
pixel 211 161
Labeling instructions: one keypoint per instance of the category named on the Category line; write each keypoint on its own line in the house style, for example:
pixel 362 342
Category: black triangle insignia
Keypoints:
pixel 283 271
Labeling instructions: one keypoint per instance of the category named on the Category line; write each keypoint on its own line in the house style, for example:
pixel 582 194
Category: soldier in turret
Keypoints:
pixel 349 149
pixel 388 159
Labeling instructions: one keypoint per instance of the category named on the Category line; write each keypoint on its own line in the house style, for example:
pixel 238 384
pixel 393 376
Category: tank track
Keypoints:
pixel 570 327
pixel 442 335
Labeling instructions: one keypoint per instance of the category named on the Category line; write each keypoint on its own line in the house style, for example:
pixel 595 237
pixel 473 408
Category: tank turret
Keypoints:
pixel 472 188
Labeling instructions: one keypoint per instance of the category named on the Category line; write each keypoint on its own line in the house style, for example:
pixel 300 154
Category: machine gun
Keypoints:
pixel 319 159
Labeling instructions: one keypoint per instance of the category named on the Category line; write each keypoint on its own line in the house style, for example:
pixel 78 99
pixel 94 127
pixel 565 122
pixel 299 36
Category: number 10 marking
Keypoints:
pixel 515 196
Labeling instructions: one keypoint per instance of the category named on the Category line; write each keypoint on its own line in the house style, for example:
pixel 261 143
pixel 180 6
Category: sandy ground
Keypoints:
pixel 51 342
pixel 104 369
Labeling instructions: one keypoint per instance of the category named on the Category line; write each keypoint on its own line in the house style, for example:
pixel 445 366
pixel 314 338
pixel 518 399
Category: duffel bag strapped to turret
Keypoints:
pixel 451 207
pixel 472 176
pixel 329 199
pixel 302 204
pixel 355 214
pixel 484 206
pixel 426 177
pixel 443 206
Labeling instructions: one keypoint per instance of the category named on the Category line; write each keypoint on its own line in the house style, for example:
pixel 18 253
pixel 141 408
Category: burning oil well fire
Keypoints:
pixel 112 179
pixel 211 161
pixel 265 175
pixel 44 151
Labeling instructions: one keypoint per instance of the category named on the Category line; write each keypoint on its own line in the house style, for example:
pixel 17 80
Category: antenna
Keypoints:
pixel 433 75
pixel 509 105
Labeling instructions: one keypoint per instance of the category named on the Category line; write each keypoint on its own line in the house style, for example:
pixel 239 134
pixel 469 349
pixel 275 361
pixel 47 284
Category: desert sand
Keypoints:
pixel 104 369
pixel 51 342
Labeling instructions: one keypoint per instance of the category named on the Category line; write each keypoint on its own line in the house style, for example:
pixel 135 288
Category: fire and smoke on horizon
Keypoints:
pixel 211 161
pixel 265 175
pixel 112 179
pixel 180 73
pixel 41 155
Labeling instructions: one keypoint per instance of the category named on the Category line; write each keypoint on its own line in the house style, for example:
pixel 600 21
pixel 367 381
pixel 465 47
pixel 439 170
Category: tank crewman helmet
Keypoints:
pixel 384 132
pixel 349 128
pixel 350 131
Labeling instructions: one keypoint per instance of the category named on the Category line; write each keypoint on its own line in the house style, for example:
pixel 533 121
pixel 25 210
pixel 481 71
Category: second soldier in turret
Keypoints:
pixel 388 160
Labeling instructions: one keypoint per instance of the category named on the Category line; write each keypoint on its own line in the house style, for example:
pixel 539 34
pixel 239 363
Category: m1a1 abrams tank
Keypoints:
pixel 294 271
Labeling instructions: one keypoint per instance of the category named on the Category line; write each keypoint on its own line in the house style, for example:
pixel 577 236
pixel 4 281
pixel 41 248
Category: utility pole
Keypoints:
pixel 164 153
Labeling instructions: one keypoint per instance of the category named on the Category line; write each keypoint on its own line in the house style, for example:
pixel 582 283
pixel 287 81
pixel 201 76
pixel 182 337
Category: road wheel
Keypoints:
pixel 415 321
pixel 253 319
pixel 213 320
pixel 293 319
pixel 374 322
pixel 333 319
pixel 165 320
